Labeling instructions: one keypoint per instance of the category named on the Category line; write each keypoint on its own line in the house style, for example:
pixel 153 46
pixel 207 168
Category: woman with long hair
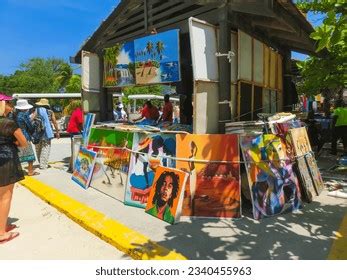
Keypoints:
pixel 11 137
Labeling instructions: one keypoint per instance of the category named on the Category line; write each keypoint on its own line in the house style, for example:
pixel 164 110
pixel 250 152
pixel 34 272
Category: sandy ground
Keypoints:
pixel 48 234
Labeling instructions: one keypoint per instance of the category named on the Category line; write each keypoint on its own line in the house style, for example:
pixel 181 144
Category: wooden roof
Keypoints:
pixel 275 22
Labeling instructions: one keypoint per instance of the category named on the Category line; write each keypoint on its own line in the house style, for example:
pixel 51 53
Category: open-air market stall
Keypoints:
pixel 233 60
pixel 228 61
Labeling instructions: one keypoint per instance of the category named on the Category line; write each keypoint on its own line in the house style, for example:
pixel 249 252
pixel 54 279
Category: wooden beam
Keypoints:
pixel 271 23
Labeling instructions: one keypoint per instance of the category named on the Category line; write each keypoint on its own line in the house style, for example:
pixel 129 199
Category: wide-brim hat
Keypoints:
pixel 4 97
pixel 43 102
pixel 22 104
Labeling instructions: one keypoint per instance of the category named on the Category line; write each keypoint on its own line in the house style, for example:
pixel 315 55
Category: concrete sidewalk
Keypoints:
pixel 314 233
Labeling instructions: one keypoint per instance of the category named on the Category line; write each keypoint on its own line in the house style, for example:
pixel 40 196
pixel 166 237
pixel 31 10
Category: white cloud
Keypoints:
pixel 124 57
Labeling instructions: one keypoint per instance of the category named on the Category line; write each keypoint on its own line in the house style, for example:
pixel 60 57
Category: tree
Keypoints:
pixel 326 73
pixel 37 75
pixel 74 84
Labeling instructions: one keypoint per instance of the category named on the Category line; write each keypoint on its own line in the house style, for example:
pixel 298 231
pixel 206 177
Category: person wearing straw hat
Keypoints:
pixel 43 148
pixel 11 137
pixel 22 117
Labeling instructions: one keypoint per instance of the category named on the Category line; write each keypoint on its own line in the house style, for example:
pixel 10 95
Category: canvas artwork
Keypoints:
pixel 301 147
pixel 157 58
pixel 300 141
pixel 306 182
pixel 166 194
pixel 149 150
pixel 273 184
pixel 119 65
pixel 315 173
pixel 84 167
pixel 213 188
pixel 87 126
pixel 112 161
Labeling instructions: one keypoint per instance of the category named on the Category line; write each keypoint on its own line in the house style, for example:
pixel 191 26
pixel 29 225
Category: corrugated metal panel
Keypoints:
pixel 245 56
pixel 258 62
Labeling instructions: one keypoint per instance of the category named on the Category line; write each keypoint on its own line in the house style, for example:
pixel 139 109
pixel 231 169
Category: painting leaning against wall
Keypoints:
pixel 273 184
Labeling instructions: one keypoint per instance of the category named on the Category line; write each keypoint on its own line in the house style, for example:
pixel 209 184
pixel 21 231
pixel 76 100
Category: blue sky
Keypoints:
pixel 46 28
pixel 52 28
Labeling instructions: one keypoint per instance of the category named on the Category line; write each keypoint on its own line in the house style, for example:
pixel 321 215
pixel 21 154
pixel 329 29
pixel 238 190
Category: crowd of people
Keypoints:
pixel 150 114
pixel 23 126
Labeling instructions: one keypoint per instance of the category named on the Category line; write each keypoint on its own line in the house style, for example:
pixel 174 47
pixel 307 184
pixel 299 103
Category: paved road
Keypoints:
pixel 48 234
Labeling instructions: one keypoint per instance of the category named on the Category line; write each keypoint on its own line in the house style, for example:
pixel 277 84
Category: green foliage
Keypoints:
pixel 74 84
pixel 326 73
pixel 152 89
pixel 38 75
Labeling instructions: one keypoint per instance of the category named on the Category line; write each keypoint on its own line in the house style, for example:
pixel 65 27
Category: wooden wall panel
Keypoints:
pixel 273 66
pixel 266 66
pixel 245 56
pixel 258 62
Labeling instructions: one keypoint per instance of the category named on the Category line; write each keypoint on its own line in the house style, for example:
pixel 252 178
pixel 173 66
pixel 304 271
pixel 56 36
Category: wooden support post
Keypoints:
pixel 224 69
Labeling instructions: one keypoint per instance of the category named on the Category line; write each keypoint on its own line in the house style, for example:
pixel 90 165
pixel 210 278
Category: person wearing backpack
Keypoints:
pixel 43 147
pixel 23 120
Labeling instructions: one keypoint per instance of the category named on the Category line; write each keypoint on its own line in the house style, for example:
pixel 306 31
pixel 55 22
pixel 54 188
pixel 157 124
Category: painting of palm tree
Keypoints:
pixel 158 59
pixel 117 62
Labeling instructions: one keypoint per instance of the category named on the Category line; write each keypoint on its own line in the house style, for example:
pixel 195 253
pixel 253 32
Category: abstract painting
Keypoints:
pixel 157 58
pixel 166 195
pixel 119 65
pixel 212 163
pixel 149 152
pixel 273 184
pixel 84 166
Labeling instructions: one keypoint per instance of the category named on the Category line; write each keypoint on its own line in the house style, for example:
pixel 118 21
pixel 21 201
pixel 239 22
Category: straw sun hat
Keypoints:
pixel 43 102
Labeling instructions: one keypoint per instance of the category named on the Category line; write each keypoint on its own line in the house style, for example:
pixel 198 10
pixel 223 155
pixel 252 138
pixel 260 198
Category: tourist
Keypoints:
pixel 339 127
pixel 23 120
pixel 119 114
pixel 11 136
pixel 149 114
pixel 43 148
pixel 167 115
pixel 75 127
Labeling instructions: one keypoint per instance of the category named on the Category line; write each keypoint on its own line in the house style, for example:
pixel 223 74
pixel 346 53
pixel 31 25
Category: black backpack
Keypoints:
pixel 38 130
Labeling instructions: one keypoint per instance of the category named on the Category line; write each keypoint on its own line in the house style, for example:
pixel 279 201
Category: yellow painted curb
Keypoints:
pixel 339 249
pixel 123 238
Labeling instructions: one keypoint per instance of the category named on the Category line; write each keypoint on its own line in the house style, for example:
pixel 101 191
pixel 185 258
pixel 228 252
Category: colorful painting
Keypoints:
pixel 157 58
pixel 87 126
pixel 149 151
pixel 112 161
pixel 212 163
pixel 314 172
pixel 166 195
pixel 84 167
pixel 301 147
pixel 300 141
pixel 306 182
pixel 119 66
pixel 273 184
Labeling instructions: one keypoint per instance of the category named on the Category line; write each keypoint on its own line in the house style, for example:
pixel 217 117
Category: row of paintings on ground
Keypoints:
pixel 191 175
pixel 149 60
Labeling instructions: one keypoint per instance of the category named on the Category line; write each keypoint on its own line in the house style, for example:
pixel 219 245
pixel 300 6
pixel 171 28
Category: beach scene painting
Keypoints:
pixel 157 58
pixel 119 65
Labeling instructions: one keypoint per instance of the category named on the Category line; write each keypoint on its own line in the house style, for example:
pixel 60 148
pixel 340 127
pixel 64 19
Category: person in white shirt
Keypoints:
pixel 119 114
